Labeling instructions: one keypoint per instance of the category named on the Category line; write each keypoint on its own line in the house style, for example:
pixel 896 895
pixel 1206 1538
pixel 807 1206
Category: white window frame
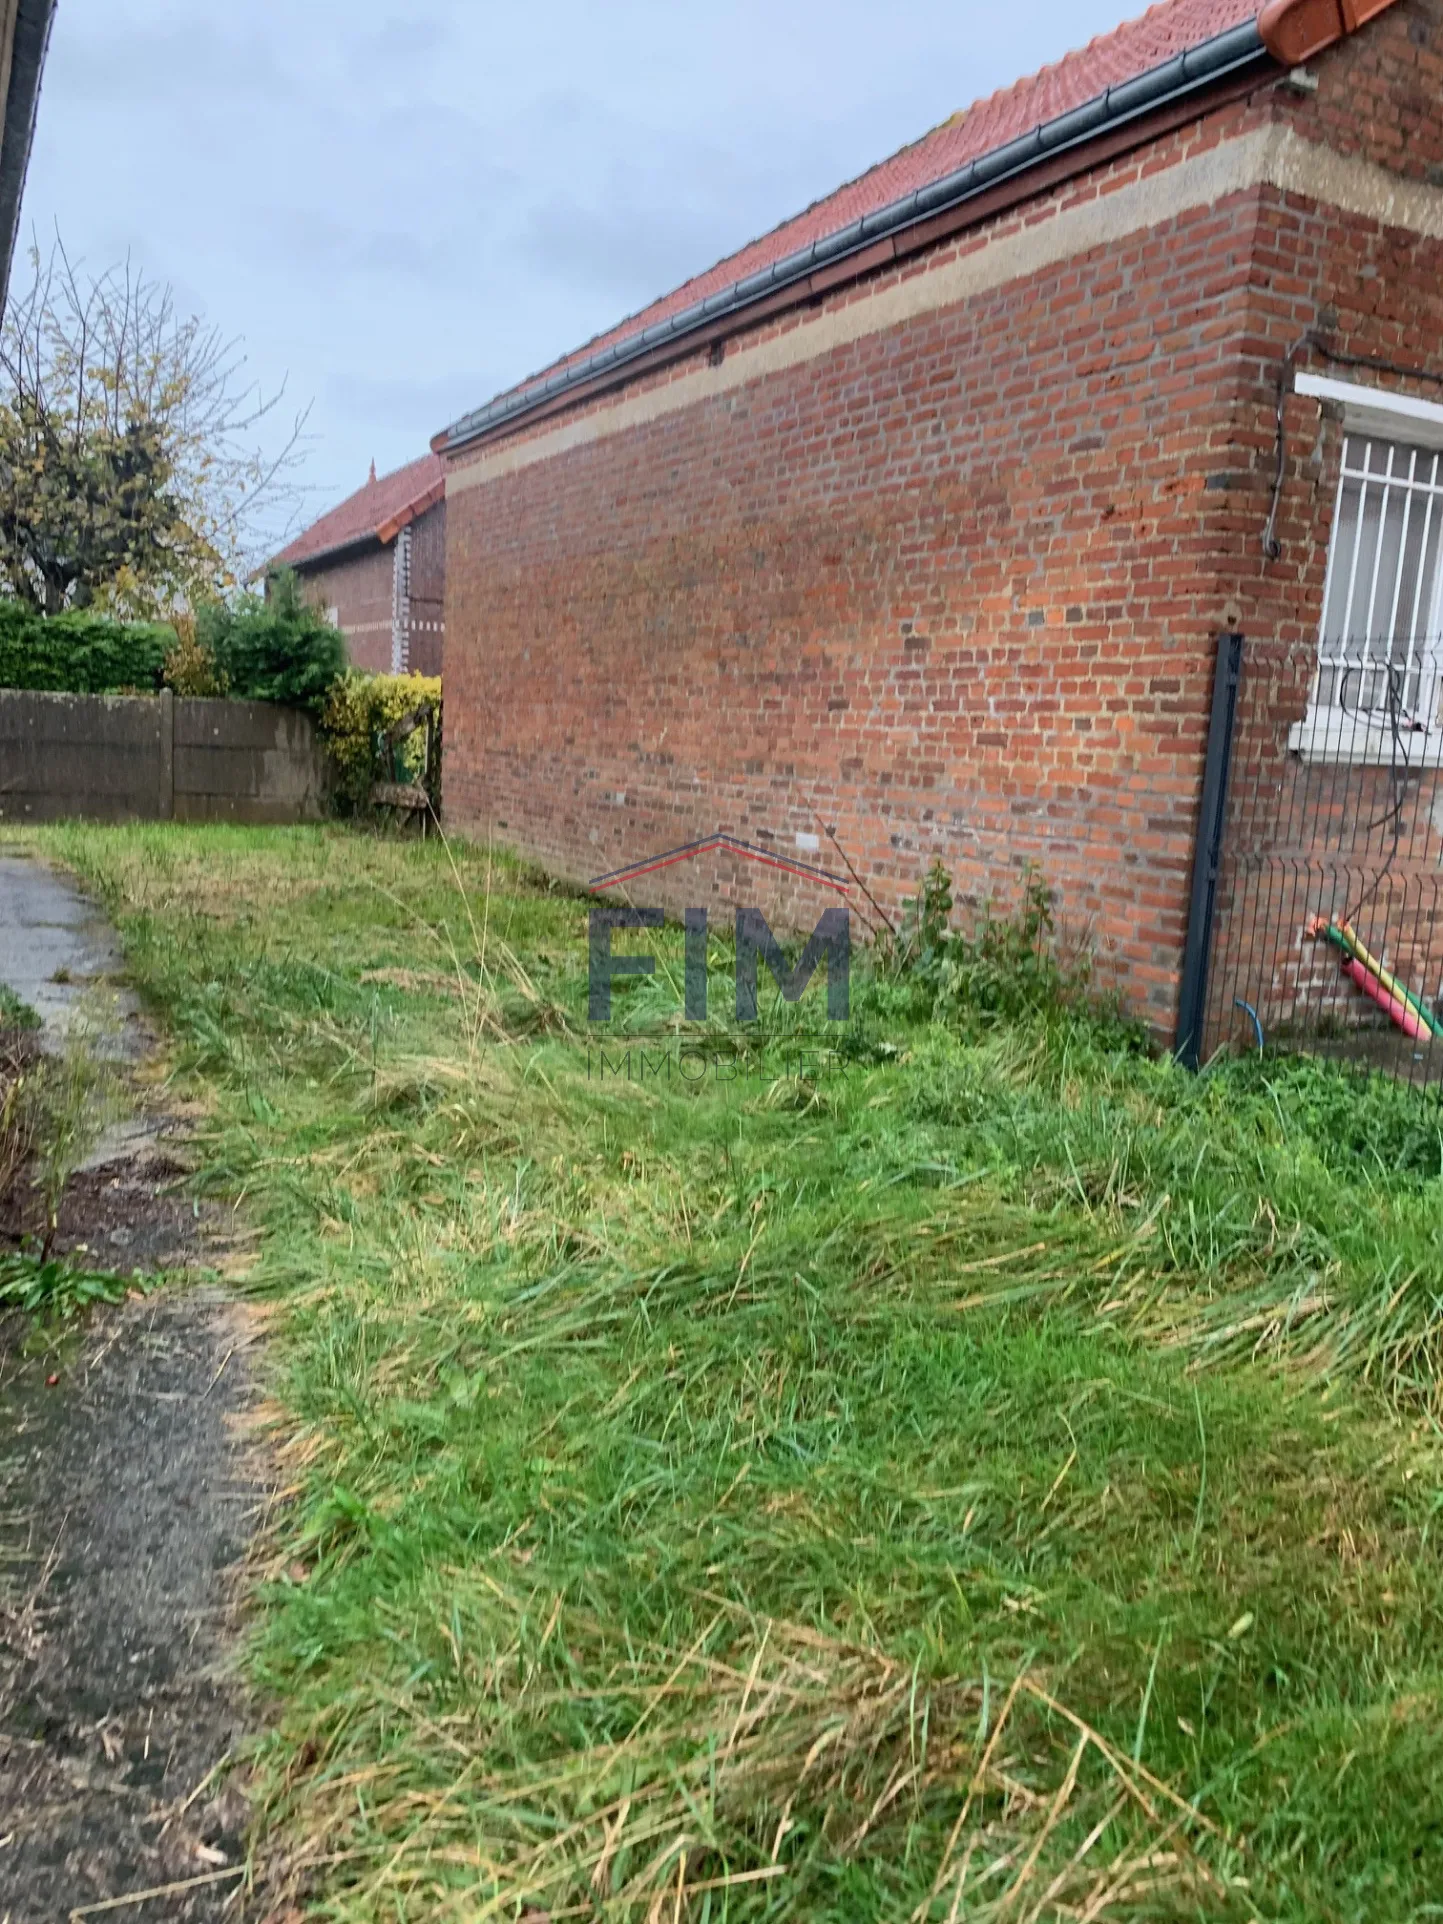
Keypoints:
pixel 1326 734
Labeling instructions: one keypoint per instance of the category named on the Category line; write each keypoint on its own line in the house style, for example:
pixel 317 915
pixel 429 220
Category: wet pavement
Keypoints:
pixel 59 954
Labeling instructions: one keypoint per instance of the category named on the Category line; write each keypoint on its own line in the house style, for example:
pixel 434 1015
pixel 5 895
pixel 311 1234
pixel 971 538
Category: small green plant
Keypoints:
pixel 44 1286
pixel 15 1014
pixel 1008 966
pixel 927 922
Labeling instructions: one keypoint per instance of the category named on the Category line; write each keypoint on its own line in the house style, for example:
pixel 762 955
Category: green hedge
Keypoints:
pixel 80 654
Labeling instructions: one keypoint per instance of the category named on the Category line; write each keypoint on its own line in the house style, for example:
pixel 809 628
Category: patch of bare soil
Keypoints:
pixel 130 1213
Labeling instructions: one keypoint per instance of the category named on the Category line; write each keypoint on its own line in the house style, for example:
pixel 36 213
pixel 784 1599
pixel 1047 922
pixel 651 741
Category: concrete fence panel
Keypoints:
pixel 114 758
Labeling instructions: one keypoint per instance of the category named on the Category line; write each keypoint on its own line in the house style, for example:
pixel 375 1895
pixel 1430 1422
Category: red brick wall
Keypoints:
pixel 1380 95
pixel 954 587
pixel 428 590
pixel 359 586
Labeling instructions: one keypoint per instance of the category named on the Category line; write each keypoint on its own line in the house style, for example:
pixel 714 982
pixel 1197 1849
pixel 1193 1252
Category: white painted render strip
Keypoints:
pixel 1265 156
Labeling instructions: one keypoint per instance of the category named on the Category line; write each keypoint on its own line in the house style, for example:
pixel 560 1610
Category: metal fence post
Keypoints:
pixel 1212 814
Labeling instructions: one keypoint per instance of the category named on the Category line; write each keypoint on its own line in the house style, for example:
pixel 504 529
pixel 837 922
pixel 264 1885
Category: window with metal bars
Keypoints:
pixel 1380 652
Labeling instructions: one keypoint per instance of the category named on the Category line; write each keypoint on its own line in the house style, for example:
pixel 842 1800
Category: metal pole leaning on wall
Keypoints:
pixel 1193 996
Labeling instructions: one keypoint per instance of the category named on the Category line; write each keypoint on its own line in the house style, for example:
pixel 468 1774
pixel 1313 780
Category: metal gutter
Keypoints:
pixel 33 20
pixel 1225 55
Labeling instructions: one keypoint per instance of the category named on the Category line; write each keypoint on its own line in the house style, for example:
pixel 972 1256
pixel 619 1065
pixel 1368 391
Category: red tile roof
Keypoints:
pixel 377 511
pixel 1129 50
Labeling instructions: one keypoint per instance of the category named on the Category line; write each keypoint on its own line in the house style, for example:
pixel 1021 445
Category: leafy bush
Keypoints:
pixel 80 654
pixel 1007 967
pixel 274 649
pixel 359 712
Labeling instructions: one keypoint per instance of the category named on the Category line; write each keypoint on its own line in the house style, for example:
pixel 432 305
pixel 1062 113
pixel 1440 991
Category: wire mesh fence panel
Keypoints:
pixel 1328 930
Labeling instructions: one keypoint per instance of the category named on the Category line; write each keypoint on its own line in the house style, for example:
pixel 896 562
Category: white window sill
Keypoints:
pixel 1326 738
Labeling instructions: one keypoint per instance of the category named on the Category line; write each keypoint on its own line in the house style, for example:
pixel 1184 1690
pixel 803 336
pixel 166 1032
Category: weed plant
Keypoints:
pixel 54 1290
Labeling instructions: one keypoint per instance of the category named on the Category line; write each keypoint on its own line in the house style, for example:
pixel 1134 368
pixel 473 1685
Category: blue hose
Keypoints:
pixel 1238 1003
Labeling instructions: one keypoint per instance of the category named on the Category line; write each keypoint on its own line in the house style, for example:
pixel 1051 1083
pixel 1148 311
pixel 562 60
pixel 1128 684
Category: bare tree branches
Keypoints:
pixel 139 465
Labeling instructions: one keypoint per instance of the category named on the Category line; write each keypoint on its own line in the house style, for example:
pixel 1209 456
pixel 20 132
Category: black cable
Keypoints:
pixel 1398 779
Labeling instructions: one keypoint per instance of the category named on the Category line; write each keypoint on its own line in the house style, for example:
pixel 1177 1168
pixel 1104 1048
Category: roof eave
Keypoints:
pixel 1188 74
pixel 354 544
pixel 381 536
pixel 1287 32
pixel 413 511
pixel 26 37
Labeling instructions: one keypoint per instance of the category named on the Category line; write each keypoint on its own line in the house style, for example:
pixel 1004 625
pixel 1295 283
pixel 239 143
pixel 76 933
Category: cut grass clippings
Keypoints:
pixel 995 1478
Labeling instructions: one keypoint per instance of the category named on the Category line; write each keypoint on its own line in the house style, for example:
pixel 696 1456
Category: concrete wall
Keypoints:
pixel 115 758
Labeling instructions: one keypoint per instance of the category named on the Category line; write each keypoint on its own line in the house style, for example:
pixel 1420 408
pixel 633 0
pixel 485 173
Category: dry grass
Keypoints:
pixel 748 1726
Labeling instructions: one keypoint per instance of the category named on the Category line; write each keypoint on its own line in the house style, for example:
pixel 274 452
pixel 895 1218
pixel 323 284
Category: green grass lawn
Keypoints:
pixel 999 1479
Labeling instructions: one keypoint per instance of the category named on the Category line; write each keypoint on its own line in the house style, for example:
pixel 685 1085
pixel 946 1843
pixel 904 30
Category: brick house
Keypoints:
pixel 377 563
pixel 920 518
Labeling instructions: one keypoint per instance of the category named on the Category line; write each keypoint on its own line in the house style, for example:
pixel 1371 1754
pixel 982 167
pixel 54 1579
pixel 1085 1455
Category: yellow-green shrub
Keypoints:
pixel 190 667
pixel 359 711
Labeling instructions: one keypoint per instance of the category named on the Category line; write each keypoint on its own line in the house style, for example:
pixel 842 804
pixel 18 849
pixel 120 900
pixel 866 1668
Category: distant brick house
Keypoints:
pixel 923 514
pixel 377 564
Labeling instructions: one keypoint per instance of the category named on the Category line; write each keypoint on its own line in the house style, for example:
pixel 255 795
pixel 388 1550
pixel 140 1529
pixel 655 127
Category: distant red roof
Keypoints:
pixel 1135 48
pixel 377 512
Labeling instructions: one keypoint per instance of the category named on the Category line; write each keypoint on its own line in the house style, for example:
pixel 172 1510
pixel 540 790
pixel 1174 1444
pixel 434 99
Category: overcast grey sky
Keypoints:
pixel 404 209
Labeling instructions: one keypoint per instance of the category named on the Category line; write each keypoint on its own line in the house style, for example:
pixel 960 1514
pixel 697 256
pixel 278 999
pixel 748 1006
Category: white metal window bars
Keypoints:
pixel 1380 657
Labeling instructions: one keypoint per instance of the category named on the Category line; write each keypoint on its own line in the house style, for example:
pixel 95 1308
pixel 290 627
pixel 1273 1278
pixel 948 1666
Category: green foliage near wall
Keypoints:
pixel 356 721
pixel 277 649
pixel 80 654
